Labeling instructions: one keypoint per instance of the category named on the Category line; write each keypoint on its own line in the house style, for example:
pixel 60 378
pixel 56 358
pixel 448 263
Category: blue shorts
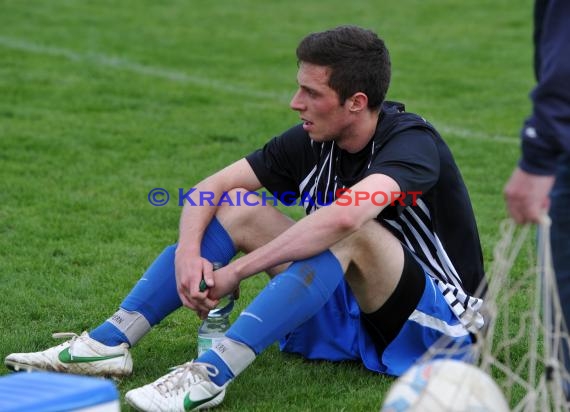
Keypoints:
pixel 337 333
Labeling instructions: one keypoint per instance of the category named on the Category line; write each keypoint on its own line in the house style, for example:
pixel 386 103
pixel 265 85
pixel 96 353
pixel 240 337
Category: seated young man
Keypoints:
pixel 377 275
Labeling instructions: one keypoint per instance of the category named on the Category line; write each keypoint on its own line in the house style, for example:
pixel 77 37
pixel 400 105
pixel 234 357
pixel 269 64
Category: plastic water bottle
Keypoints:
pixel 214 327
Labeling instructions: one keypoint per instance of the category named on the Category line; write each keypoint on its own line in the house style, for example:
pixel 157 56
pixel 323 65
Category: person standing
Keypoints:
pixel 541 181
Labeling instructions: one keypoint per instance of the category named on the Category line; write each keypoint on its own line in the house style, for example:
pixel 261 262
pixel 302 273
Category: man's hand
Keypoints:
pixel 527 196
pixel 226 283
pixel 190 270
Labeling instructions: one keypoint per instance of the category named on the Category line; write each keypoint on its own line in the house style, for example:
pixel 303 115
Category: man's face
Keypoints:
pixel 319 106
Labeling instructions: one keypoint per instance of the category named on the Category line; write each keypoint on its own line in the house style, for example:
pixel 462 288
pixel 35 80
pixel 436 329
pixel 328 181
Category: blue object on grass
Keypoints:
pixel 54 392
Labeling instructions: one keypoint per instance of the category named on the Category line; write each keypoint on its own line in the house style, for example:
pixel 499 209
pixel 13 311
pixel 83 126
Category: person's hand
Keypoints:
pixel 190 270
pixel 527 196
pixel 226 283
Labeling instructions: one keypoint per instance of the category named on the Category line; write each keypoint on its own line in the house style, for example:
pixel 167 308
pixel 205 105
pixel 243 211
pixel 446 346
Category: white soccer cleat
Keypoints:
pixel 80 355
pixel 187 388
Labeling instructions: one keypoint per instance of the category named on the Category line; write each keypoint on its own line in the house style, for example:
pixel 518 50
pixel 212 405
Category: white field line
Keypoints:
pixel 470 134
pixel 123 64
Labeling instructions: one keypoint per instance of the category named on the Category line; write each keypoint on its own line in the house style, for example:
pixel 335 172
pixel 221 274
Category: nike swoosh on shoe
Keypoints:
pixel 65 357
pixel 189 404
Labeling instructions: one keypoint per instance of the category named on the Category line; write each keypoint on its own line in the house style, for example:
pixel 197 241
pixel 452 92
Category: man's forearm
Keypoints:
pixel 198 211
pixel 319 231
pixel 308 237
pixel 196 216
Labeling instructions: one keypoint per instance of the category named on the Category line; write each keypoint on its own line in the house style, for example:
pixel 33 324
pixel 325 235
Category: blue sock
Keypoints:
pixel 287 301
pixel 224 372
pixel 155 295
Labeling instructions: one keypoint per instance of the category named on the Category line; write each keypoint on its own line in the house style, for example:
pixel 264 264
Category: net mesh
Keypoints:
pixel 522 344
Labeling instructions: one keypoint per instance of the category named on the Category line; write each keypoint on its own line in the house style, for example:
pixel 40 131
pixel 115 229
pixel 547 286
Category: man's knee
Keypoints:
pixel 366 243
pixel 250 221
pixel 236 205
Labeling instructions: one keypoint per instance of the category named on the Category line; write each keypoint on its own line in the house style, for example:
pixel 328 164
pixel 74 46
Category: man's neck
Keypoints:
pixel 360 134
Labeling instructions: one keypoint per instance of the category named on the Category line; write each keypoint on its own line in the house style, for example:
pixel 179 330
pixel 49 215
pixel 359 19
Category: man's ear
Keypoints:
pixel 357 102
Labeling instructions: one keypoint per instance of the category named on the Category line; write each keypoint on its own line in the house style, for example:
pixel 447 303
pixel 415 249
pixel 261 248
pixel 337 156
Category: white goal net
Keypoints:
pixel 522 344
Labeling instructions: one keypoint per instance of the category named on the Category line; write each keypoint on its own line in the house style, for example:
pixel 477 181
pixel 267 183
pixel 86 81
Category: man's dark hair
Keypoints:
pixel 358 59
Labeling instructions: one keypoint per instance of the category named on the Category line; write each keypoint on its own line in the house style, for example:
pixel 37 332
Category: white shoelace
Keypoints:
pixel 66 335
pixel 183 376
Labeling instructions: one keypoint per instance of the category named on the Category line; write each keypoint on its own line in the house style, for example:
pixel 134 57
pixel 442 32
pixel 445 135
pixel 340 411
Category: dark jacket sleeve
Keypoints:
pixel 546 133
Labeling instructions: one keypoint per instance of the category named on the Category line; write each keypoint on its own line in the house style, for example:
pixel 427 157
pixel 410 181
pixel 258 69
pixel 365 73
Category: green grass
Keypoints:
pixel 101 101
